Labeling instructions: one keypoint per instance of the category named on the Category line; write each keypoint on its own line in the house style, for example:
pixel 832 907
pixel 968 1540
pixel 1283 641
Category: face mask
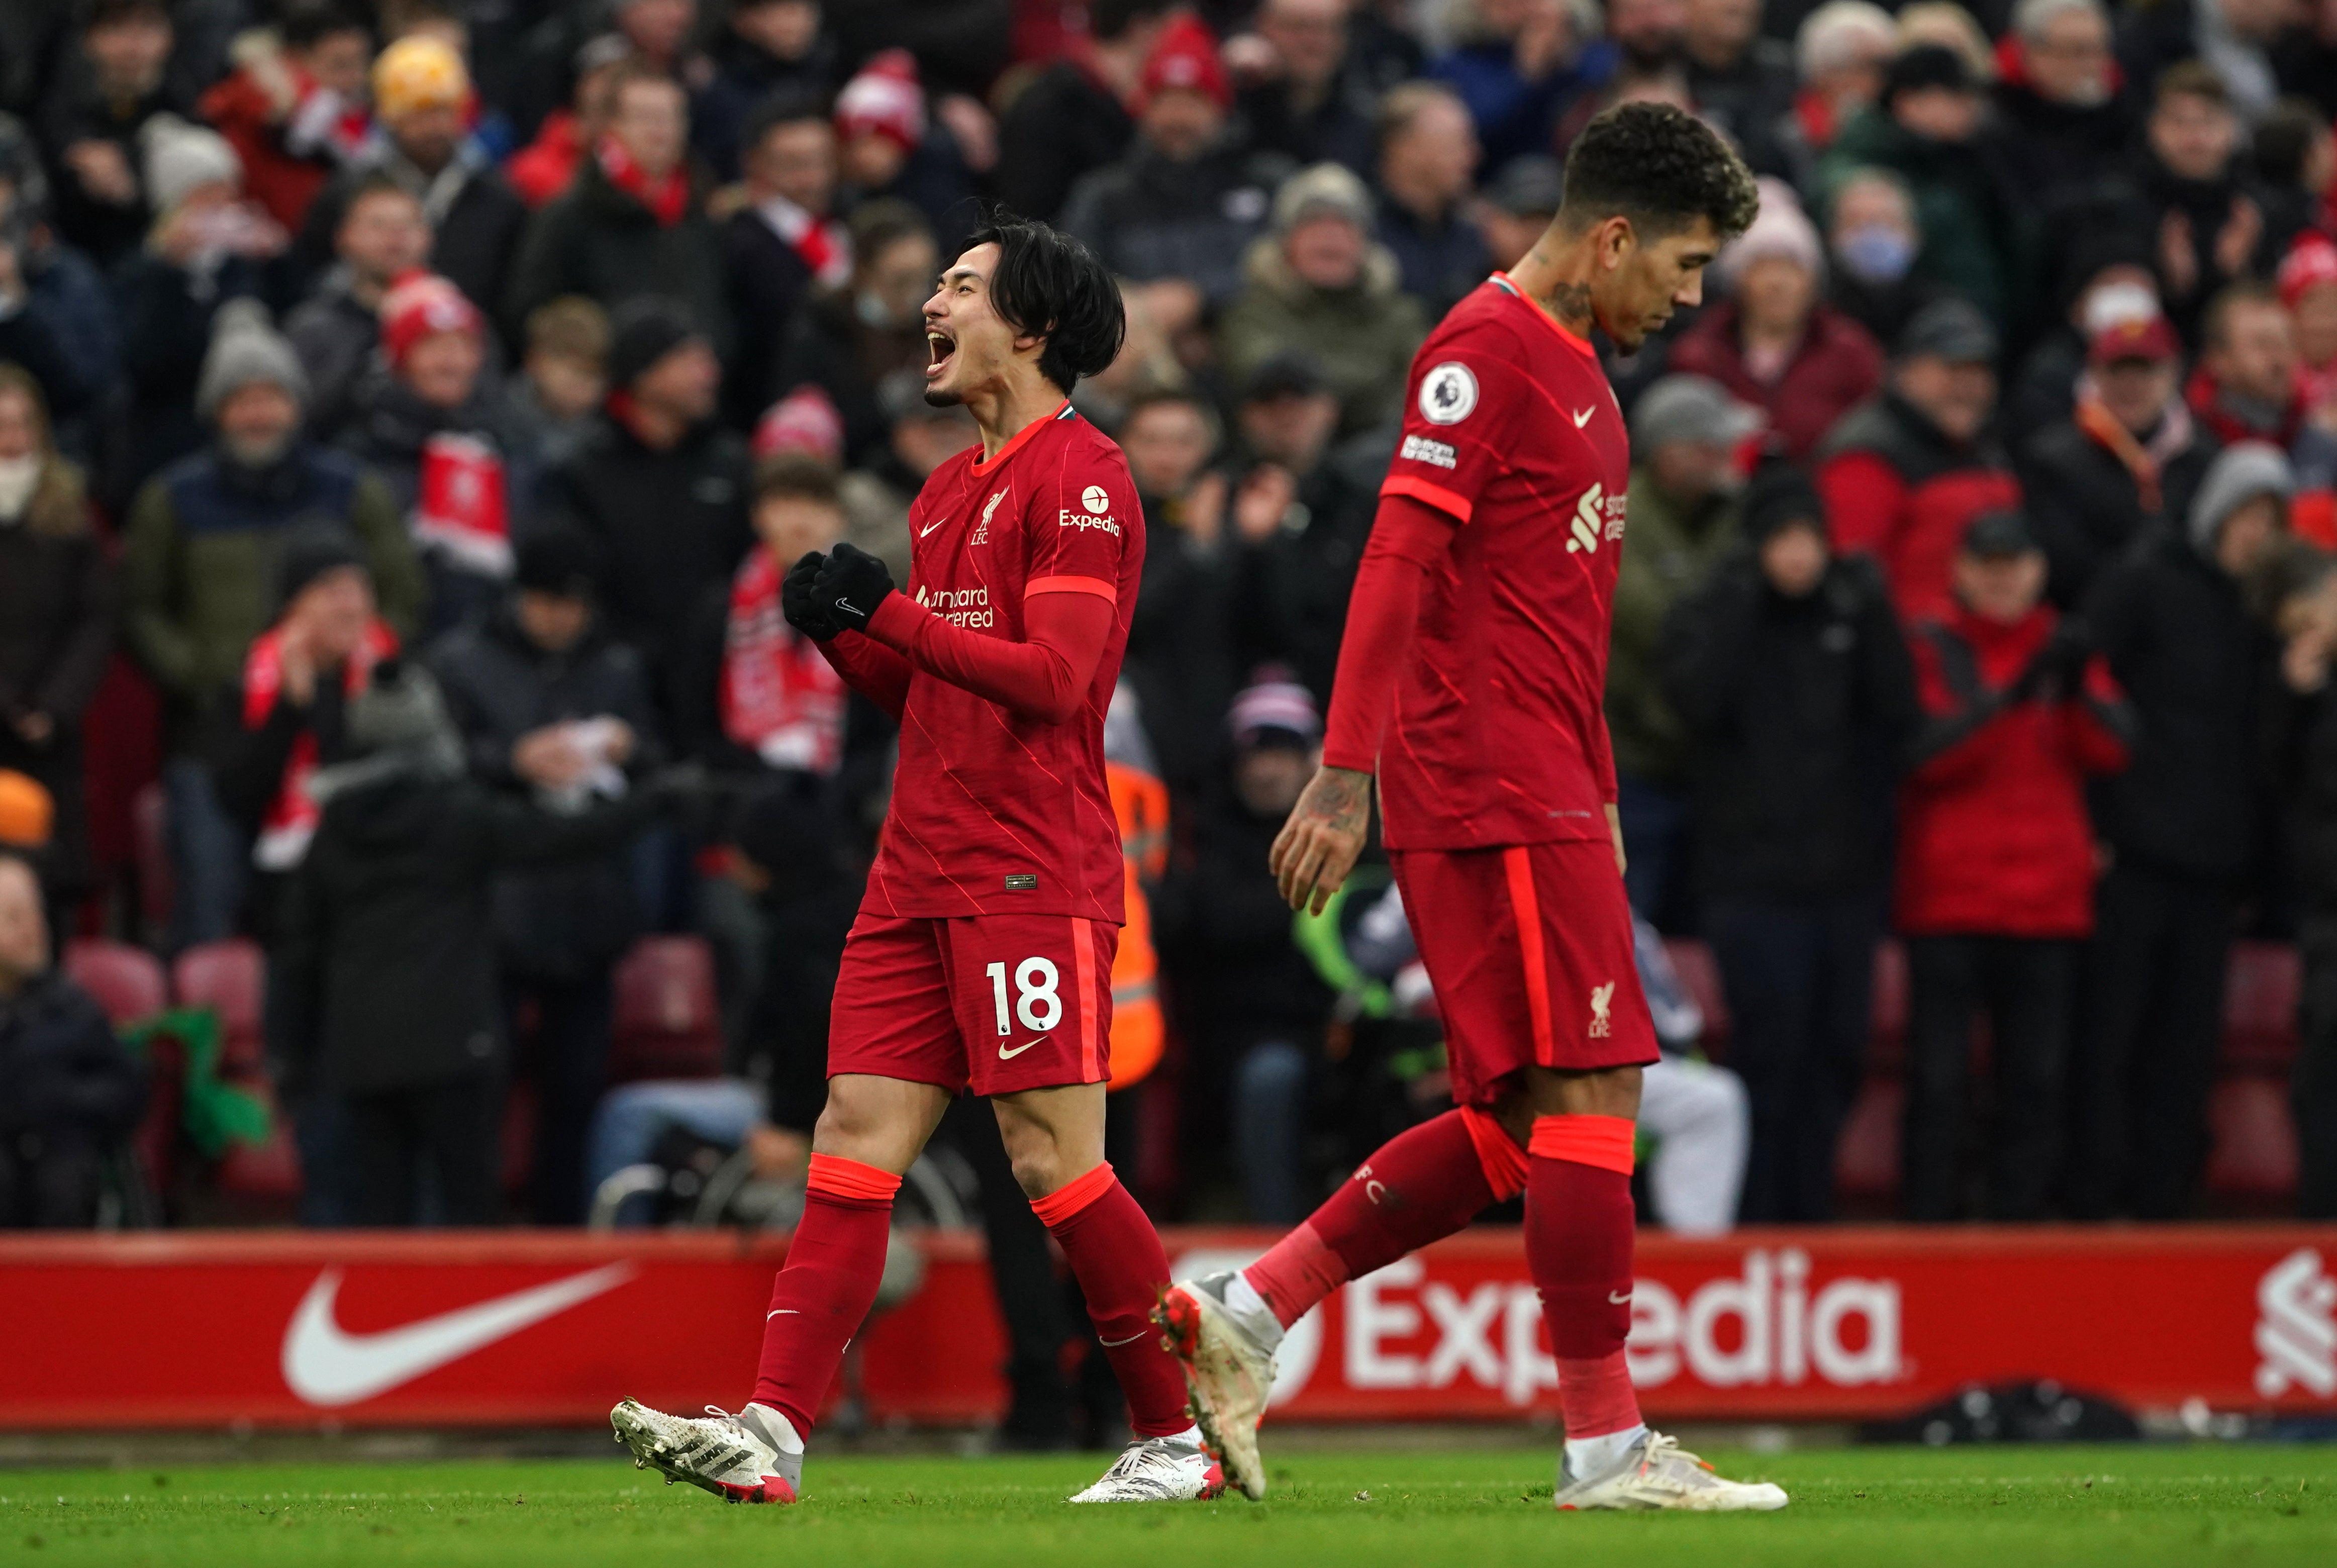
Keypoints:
pixel 18 476
pixel 872 311
pixel 1876 253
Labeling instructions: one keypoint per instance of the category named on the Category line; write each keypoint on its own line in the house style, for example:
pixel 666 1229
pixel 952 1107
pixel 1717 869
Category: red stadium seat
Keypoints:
pixel 266 1181
pixel 2254 1162
pixel 150 843
pixel 1889 1051
pixel 2260 995
pixel 1699 972
pixel 668 1023
pixel 126 981
pixel 1867 1161
pixel 230 978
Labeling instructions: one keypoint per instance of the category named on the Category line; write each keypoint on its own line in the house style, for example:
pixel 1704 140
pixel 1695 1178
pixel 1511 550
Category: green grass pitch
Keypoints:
pixel 2004 1507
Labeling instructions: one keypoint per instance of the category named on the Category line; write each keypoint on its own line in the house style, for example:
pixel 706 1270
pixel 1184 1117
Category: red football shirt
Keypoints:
pixel 995 812
pixel 1498 734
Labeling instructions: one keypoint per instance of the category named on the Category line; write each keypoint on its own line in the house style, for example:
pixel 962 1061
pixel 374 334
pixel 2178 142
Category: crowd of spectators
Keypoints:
pixel 406 409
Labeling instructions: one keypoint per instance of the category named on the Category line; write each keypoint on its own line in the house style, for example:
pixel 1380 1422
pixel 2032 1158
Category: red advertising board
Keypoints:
pixel 542 1327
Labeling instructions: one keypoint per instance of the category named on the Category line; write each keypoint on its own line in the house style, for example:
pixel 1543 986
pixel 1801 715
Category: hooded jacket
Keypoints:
pixel 2087 507
pixel 1835 365
pixel 1362 336
pixel 600 241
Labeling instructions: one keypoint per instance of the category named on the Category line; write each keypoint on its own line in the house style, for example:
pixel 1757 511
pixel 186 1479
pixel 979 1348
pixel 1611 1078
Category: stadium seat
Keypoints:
pixel 1699 972
pixel 230 978
pixel 668 1023
pixel 1867 1161
pixel 264 1180
pixel 2253 1165
pixel 151 845
pixel 2259 996
pixel 1889 1049
pixel 126 981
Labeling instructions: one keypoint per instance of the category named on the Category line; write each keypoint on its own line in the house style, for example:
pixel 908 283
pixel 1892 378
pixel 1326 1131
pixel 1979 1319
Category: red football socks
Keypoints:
pixel 1420 1186
pixel 824 1292
pixel 1116 1255
pixel 1579 1241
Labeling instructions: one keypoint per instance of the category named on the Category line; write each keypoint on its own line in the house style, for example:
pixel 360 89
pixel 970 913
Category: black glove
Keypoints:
pixel 800 604
pixel 851 585
pixel 2055 670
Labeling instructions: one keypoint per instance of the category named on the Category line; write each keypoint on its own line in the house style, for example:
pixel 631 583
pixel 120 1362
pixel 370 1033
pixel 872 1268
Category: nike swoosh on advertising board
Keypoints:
pixel 325 1364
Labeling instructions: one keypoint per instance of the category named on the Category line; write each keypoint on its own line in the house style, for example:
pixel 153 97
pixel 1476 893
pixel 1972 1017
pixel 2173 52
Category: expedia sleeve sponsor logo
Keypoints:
pixel 1097 512
pixel 958 606
pixel 1421 449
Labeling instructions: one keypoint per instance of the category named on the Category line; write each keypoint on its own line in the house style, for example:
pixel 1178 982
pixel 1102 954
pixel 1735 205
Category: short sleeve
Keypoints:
pixel 1462 412
pixel 1079 525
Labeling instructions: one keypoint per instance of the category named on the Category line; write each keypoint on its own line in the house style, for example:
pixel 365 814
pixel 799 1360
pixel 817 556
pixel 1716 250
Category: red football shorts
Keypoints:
pixel 996 1003
pixel 1530 950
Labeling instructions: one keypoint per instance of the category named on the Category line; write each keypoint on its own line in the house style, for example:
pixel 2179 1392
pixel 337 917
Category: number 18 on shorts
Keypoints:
pixel 994 1003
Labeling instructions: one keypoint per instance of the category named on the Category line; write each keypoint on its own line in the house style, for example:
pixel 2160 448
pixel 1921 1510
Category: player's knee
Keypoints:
pixel 1039 1167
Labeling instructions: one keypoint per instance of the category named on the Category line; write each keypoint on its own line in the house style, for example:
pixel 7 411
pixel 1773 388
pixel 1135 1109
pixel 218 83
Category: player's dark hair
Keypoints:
pixel 1047 284
pixel 1662 167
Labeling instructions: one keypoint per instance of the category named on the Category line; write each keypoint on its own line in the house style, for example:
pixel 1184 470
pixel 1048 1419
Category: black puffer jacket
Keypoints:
pixel 2087 509
pixel 2180 641
pixel 387 977
pixel 1797 712
pixel 600 241
pixel 499 686
pixel 62 1074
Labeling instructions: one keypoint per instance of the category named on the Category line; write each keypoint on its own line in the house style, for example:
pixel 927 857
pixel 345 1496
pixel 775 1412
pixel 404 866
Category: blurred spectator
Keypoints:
pixel 1649 63
pixel 1841 52
pixel 200 567
pixel 547 166
pixel 2068 128
pixel 2130 457
pixel 388 975
pixel 1518 206
pixel 1684 489
pixel 891 149
pixel 1790 673
pixel 424 420
pixel 875 496
pixel 422 97
pixel 58 605
pixel 1947 24
pixel 1517 65
pixel 2180 825
pixel 2192 195
pixel 2106 280
pixel 1772 341
pixel 2295 159
pixel 1872 242
pixel 1177 210
pixel 68 1091
pixel 1904 474
pixel 1742 83
pixel 336 329
pixel 549 404
pixel 853 344
pixel 1319 283
pixel 1996 870
pixel 1078 114
pixel 766 49
pixel 1305 103
pixel 552 710
pixel 1253 1007
pixel 2305 774
pixel 52 290
pixel 2307 280
pixel 113 80
pixel 1927 130
pixel 2232 38
pixel 2248 385
pixel 633 224
pixel 208 246
pixel 783 244
pixel 1428 155
pixel 295 109
pixel 660 487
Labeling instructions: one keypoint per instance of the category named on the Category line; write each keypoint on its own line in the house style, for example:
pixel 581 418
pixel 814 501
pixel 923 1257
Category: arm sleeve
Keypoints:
pixel 871 669
pixel 1408 537
pixel 1046 677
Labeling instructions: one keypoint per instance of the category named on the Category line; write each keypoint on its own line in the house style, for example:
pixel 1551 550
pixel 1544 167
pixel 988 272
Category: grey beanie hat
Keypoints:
pixel 1325 191
pixel 2239 475
pixel 246 347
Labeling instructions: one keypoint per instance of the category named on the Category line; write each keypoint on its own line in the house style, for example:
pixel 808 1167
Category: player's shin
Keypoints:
pixel 829 1282
pixel 1578 1246
pixel 1116 1255
pixel 1421 1186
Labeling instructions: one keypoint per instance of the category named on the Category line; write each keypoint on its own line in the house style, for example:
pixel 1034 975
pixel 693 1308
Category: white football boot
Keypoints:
pixel 1656 1472
pixel 1174 1469
pixel 1228 1372
pixel 754 1456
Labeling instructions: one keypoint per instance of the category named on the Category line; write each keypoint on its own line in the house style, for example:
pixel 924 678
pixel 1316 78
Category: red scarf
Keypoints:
pixel 291 817
pixel 460 507
pixel 781 698
pixel 668 199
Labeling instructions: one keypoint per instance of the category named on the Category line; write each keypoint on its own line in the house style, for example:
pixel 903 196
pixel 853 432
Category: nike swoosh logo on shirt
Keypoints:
pixel 930 528
pixel 1582 416
pixel 325 1364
